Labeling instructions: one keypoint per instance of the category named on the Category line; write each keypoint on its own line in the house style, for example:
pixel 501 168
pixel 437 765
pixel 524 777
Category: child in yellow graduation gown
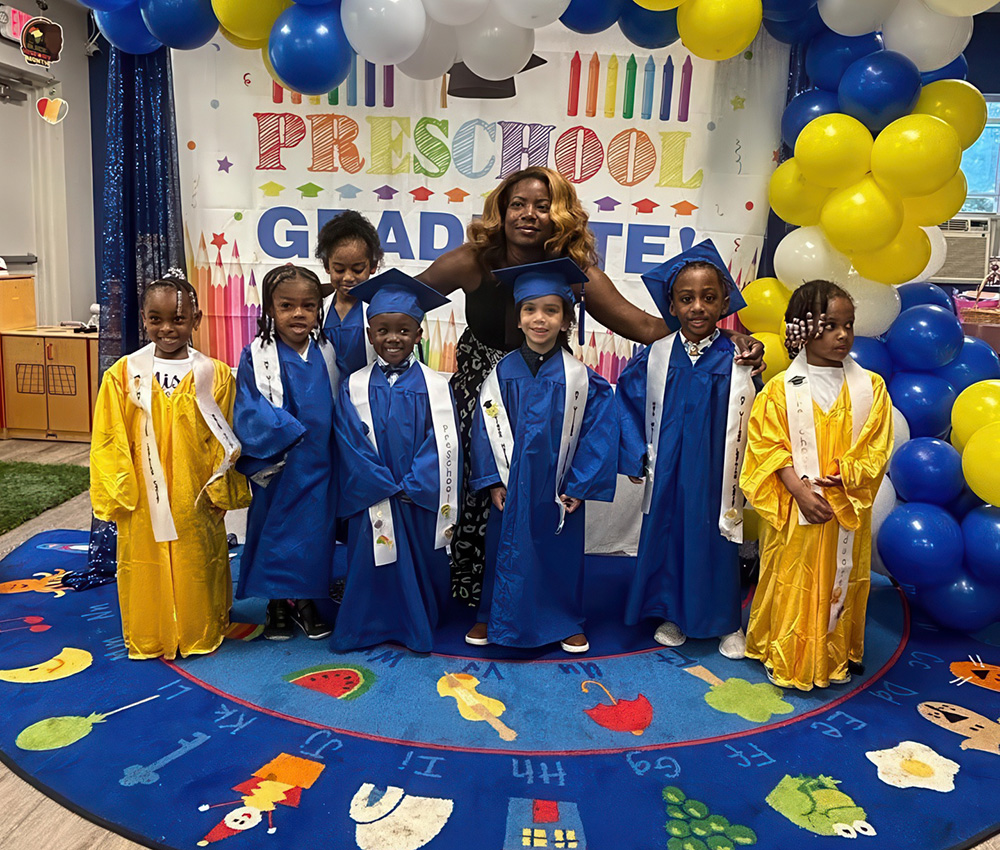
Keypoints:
pixel 161 468
pixel 815 495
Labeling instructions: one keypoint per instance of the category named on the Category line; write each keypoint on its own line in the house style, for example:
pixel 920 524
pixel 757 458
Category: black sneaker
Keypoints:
pixel 307 618
pixel 277 625
pixel 856 667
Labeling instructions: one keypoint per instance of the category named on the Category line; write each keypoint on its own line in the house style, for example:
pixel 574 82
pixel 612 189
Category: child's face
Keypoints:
pixel 837 339
pixel 295 307
pixel 698 300
pixel 541 319
pixel 393 336
pixel 348 264
pixel 166 326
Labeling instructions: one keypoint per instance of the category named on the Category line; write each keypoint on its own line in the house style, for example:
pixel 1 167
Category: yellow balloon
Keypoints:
pixel 862 217
pixel 916 155
pixel 718 29
pixel 658 5
pixel 834 150
pixel 957 103
pixel 976 407
pixel 767 300
pixel 249 21
pixel 945 203
pixel 793 198
pixel 776 358
pixel 899 261
pixel 243 43
pixel 981 463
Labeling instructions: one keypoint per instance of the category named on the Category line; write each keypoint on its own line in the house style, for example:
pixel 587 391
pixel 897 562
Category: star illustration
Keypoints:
pixel 776 155
pixel 421 194
pixel 456 196
pixel 385 193
pixel 218 240
pixel 738 102
pixel 271 189
pixel 645 206
pixel 309 190
pixel 683 208
pixel 348 191
pixel 606 204
pixel 224 164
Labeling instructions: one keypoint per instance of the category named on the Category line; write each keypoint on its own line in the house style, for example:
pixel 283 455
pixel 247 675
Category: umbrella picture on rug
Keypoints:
pixel 756 703
pixel 815 803
pixel 980 732
pixel 473 705
pixel 52 733
pixel 977 672
pixel 623 715
pixel 66 663
pixel 32 624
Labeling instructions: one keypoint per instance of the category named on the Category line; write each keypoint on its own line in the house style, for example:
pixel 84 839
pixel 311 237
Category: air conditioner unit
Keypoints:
pixel 969 242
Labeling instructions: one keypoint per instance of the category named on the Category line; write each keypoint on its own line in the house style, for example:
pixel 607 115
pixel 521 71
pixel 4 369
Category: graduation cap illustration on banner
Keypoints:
pixel 464 83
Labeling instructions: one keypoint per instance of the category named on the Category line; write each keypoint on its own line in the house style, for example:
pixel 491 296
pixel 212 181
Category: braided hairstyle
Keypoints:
pixel 281 274
pixel 806 312
pixel 174 281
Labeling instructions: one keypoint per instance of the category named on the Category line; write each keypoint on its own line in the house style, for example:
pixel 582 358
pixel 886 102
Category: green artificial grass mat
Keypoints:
pixel 28 489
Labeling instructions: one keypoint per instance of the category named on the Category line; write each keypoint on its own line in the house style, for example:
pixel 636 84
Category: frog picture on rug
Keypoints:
pixel 815 803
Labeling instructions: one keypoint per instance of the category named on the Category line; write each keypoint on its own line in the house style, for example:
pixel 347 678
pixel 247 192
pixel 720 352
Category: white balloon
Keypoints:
pixel 532 13
pixel 384 31
pixel 959 8
pixel 931 40
pixel 884 504
pixel 455 13
pixel 900 431
pixel 876 305
pixel 493 47
pixel 855 17
pixel 939 253
pixel 436 54
pixel 806 254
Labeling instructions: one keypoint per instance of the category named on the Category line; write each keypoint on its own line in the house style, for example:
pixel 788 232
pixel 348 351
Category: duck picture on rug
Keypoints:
pixel 980 732
pixel 279 782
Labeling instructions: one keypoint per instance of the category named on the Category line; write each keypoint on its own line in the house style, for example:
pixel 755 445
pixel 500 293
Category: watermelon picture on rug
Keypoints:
pixel 341 681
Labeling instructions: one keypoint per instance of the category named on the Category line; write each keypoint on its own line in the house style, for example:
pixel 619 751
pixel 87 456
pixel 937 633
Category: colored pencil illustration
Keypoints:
pixel 593 84
pixel 434 358
pixel 573 96
pixel 684 101
pixel 389 85
pixel 352 82
pixel 333 97
pixel 277 92
pixel 667 88
pixel 217 310
pixel 252 299
pixel 200 281
pixel 369 83
pixel 648 81
pixel 236 320
pixel 611 88
pixel 296 97
pixel 450 344
pixel 628 103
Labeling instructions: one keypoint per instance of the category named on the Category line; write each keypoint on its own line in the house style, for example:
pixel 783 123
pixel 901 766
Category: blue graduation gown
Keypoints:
pixel 686 571
pixel 399 601
pixel 533 581
pixel 348 337
pixel 290 525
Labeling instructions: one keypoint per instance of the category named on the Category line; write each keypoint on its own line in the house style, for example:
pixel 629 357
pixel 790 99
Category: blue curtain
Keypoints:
pixel 141 234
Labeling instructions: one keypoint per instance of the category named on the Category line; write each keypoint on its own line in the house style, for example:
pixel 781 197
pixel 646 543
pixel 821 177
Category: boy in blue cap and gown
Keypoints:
pixel 543 440
pixel 684 406
pixel 400 459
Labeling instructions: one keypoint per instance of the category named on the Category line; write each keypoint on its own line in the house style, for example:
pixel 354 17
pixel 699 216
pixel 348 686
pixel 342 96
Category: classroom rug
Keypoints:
pixel 288 745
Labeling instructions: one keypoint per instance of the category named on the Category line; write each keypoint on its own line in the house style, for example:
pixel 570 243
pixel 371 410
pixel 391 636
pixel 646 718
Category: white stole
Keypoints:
pixel 446 441
pixel 805 453
pixel 139 366
pixel 501 436
pixel 741 395
pixel 267 368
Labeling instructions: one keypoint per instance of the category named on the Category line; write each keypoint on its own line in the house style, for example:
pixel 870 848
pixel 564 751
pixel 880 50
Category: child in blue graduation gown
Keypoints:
pixel 283 416
pixel 543 440
pixel 684 407
pixel 349 248
pixel 400 460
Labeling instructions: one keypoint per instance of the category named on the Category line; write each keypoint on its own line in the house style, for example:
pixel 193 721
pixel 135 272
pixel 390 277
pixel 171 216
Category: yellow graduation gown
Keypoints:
pixel 175 596
pixel 791 608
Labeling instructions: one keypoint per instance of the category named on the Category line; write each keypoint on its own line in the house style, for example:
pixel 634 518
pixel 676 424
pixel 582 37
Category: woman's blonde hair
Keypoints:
pixel 572 238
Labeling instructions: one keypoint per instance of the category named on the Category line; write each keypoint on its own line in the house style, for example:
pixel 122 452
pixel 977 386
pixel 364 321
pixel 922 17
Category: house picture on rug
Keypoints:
pixel 543 823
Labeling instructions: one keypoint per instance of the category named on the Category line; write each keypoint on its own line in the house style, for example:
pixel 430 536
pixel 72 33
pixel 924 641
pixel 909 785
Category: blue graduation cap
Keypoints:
pixel 394 291
pixel 550 277
pixel 660 280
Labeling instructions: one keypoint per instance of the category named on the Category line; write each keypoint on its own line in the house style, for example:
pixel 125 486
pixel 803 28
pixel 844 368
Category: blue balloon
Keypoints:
pixel 966 502
pixel 923 292
pixel 981 530
pixel 879 88
pixel 802 108
pixel 927 470
pixel 309 50
pixel 180 24
pixel 871 354
pixel 106 5
pixel 924 400
pixel 965 605
pixel 830 54
pixel 921 545
pixel 590 16
pixel 976 362
pixel 126 30
pixel 924 337
pixel 797 30
pixel 957 69
pixel 787 10
pixel 647 29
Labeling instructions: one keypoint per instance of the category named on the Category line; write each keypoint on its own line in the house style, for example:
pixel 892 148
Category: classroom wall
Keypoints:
pixel 66 282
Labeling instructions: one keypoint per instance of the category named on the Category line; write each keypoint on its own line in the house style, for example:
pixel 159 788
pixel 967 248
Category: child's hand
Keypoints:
pixel 498 495
pixel 829 481
pixel 570 503
pixel 749 352
pixel 814 507
pixel 635 480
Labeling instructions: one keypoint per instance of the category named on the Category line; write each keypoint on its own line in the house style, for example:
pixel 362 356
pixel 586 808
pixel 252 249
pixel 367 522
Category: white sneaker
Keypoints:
pixel 733 646
pixel 669 634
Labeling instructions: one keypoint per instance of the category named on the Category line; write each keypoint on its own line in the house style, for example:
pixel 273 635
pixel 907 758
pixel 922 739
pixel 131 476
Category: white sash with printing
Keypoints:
pixel 267 368
pixel 446 441
pixel 741 395
pixel 501 436
pixel 805 453
pixel 140 379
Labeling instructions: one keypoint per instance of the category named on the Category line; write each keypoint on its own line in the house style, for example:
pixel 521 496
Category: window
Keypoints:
pixel 564 838
pixel 533 838
pixel 980 163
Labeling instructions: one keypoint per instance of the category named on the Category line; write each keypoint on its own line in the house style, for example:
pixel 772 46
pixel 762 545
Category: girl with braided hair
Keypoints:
pixel 815 493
